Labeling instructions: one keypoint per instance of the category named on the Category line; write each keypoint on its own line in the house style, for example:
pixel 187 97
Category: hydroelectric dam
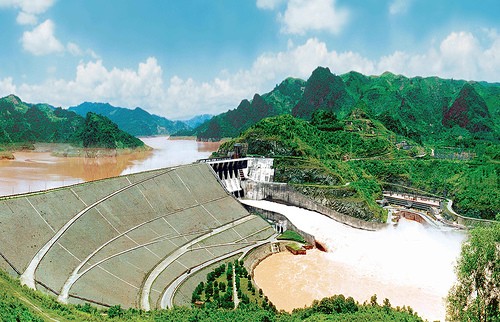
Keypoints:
pixel 125 240
pixel 140 240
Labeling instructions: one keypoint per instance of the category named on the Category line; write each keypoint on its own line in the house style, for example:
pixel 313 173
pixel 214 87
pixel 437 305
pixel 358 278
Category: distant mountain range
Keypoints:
pixel 280 100
pixel 139 122
pixel 419 108
pixel 22 122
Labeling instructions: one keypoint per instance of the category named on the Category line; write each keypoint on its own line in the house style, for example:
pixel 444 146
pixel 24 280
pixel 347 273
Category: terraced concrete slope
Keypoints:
pixel 124 240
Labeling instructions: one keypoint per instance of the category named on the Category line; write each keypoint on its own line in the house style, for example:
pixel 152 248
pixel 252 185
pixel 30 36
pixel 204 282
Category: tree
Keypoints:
pixel 476 294
pixel 115 311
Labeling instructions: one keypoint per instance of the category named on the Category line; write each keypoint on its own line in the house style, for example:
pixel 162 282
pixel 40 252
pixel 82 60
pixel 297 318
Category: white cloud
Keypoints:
pixel 29 9
pixel 268 4
pixel 459 55
pixel 7 86
pixel 399 6
pixel 24 18
pixel 74 49
pixel 302 16
pixel 41 40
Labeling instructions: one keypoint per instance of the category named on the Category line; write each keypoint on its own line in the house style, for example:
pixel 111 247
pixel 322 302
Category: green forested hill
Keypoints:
pixel 29 123
pixel 99 131
pixel 137 122
pixel 446 112
pixel 358 157
pixel 279 101
pixel 326 91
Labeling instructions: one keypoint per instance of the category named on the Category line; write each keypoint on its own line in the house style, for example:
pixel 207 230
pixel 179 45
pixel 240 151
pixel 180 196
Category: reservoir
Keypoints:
pixel 39 170
pixel 409 264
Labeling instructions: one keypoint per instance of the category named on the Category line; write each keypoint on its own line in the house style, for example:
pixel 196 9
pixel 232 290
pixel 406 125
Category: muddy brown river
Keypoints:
pixel 33 171
pixel 409 264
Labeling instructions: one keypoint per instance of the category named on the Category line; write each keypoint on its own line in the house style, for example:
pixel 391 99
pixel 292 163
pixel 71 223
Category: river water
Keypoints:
pixel 33 170
pixel 409 264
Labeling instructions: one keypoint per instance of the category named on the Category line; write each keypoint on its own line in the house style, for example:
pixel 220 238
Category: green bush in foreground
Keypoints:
pixel 476 294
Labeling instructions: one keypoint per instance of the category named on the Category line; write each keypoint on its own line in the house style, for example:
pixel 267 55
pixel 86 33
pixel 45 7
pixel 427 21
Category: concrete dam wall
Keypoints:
pixel 123 240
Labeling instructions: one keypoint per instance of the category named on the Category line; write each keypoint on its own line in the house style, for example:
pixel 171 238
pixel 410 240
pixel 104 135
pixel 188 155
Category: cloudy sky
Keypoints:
pixel 179 58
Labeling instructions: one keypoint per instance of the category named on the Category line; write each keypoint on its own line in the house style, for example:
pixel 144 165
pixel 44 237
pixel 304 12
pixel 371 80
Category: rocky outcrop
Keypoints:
pixel 339 199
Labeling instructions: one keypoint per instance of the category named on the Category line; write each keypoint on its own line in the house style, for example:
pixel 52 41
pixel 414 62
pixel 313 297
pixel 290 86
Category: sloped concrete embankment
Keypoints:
pixel 99 241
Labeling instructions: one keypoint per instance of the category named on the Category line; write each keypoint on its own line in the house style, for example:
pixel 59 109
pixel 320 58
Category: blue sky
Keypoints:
pixel 179 58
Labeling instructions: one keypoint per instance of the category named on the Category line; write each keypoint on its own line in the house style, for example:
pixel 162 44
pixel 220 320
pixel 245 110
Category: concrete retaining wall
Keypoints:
pixel 274 216
pixel 463 220
pixel 284 193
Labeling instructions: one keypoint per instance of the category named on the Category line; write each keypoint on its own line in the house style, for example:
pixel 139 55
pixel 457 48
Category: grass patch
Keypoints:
pixel 291 235
pixel 294 246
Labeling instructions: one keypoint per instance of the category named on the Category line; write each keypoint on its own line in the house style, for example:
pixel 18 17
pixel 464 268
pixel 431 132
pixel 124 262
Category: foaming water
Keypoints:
pixel 409 264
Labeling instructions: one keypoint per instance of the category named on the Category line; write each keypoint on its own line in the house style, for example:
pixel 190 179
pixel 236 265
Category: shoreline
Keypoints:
pixel 66 150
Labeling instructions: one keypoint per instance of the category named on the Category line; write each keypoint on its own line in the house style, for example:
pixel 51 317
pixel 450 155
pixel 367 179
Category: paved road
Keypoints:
pixel 236 300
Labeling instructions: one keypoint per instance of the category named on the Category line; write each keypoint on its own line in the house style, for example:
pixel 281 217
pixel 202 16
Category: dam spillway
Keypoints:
pixel 101 241
pixel 409 264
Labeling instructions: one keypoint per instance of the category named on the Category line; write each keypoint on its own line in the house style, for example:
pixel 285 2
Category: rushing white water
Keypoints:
pixel 409 261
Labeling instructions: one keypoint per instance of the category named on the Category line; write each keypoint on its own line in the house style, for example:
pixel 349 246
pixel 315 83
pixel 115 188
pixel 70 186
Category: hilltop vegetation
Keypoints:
pixel 24 124
pixel 432 110
pixel 279 101
pixel 343 139
pixel 355 159
pixel 99 131
pixel 137 122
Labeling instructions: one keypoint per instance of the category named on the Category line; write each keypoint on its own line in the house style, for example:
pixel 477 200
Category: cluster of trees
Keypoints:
pixel 218 293
pixel 12 309
pixel 476 294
